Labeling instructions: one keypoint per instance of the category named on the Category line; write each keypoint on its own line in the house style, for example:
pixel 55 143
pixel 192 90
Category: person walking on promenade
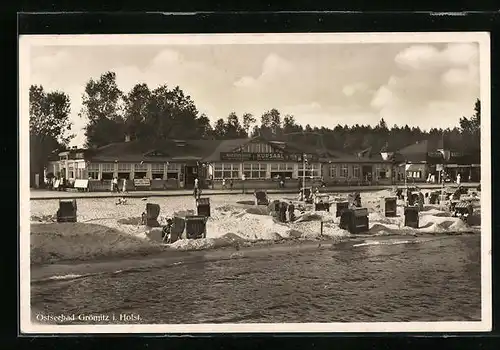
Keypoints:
pixel 114 185
pixel 124 188
pixel 243 178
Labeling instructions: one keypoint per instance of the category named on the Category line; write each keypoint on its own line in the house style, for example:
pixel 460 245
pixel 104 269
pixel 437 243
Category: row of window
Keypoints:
pixel 232 170
pixel 140 170
pixel 259 170
pixel 342 171
pixel 127 167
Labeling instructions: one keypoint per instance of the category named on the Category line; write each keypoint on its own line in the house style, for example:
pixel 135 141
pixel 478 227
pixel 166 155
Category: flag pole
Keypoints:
pixel 303 176
pixel 405 176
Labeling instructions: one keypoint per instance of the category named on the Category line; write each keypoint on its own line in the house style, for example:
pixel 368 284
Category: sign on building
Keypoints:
pixel 81 184
pixel 142 182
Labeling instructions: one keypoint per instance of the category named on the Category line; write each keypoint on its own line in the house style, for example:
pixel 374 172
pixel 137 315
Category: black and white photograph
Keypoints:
pixel 255 183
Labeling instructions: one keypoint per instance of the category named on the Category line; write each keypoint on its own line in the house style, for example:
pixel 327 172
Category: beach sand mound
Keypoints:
pixel 115 230
pixel 258 210
pixel 130 221
pixel 52 243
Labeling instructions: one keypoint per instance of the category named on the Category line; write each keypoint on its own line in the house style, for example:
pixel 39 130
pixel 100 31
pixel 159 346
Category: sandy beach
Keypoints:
pixel 107 230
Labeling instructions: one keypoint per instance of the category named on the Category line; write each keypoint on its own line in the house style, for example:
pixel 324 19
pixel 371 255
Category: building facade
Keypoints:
pixel 428 161
pixel 249 163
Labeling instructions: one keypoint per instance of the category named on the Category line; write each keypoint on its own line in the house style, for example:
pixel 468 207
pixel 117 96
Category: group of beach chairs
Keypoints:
pixel 181 225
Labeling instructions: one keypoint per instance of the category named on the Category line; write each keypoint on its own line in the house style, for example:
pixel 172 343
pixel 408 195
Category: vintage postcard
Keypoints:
pixel 255 183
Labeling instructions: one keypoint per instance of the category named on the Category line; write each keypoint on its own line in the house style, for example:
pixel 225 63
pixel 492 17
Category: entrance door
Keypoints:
pixel 366 172
pixel 190 173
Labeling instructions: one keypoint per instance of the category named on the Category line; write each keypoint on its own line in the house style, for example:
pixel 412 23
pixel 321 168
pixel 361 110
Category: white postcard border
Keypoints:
pixel 482 38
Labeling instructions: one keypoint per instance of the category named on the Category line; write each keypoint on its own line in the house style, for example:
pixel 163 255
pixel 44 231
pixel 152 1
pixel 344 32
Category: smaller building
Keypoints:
pixel 428 160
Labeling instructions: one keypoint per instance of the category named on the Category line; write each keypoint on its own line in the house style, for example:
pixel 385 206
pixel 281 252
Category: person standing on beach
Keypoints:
pixel 243 178
pixel 195 189
pixel 124 188
pixel 223 183
pixel 115 184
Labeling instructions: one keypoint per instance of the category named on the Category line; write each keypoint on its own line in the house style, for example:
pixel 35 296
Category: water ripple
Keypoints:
pixel 436 280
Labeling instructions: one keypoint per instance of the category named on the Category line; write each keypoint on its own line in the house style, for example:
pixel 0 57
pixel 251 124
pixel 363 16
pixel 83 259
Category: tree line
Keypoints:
pixel 165 112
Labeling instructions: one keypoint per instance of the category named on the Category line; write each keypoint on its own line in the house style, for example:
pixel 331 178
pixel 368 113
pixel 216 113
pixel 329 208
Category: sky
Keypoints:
pixel 321 84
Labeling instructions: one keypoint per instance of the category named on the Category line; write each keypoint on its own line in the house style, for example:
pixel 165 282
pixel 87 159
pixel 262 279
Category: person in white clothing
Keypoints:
pixel 124 188
pixel 243 178
pixel 195 189
pixel 115 184
pixel 458 179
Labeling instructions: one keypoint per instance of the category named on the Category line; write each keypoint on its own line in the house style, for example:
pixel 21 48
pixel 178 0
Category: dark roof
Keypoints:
pixel 389 147
pixel 419 147
pixel 209 151
pixel 418 151
pixel 166 150
pixel 224 146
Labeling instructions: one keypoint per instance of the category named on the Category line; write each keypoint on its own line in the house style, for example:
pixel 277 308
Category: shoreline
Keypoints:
pixel 45 273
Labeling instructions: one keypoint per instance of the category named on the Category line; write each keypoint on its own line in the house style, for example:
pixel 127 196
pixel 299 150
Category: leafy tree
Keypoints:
pixel 289 125
pixel 233 128
pixel 471 128
pixel 136 104
pixel 220 129
pixel 102 107
pixel 172 115
pixel 248 121
pixel 275 118
pixel 205 130
pixel 49 125
pixel 169 113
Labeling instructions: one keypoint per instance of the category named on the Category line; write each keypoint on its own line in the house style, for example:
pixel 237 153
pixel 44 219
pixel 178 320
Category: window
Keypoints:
pixel 93 171
pixel 157 170
pixel 356 171
pixel 344 171
pixel 140 170
pixel 173 171
pixel 71 171
pixel 124 167
pixel 282 170
pixel 173 167
pixel 282 167
pixel 258 148
pixel 226 171
pixel 381 173
pixel 311 170
pixel 254 171
pixel 333 171
pixel 124 170
pixel 141 167
pixel 107 170
pixel 108 167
